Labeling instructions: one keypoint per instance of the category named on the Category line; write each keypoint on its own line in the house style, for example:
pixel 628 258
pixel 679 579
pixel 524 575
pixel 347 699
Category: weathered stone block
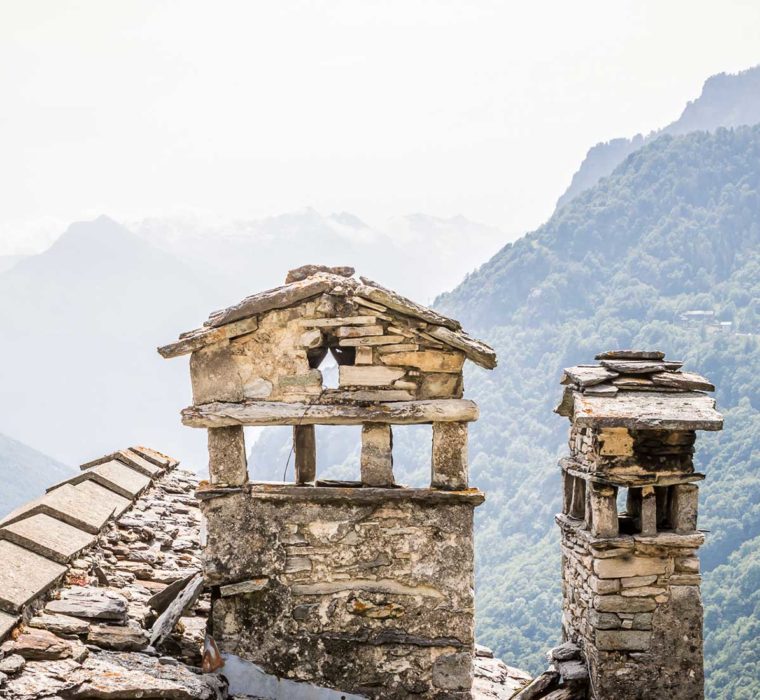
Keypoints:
pixel 371 375
pixel 305 448
pixel 623 567
pixel 426 360
pixel 623 604
pixel 227 461
pixel 23 576
pixel 48 537
pixel 450 469
pixel 615 442
pixel 683 507
pixel 377 455
pixel 623 640
pixel 453 671
pixel 604 517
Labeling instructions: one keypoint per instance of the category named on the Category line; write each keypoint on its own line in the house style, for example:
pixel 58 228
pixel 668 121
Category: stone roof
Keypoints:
pixel 311 281
pixel 101 594
pixel 638 390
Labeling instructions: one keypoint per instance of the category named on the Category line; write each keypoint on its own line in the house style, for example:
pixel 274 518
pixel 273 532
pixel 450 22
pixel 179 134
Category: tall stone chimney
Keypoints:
pixel 630 564
pixel 364 588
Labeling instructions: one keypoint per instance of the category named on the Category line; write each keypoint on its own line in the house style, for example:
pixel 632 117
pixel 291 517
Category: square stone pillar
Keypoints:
pixel 305 447
pixel 227 461
pixel 450 471
pixel 377 455
pixel 683 507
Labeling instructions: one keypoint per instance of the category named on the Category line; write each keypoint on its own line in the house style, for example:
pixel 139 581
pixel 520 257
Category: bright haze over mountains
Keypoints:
pixel 246 110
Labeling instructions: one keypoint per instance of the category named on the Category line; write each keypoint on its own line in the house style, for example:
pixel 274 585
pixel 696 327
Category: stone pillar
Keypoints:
pixel 305 447
pixel 449 465
pixel 227 462
pixel 631 583
pixel 377 454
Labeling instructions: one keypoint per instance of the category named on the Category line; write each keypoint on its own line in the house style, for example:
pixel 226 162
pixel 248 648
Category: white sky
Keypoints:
pixel 243 109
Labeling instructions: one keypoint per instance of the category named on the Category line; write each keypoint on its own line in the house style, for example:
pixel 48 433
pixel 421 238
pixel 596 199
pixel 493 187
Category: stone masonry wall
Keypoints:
pixel 630 603
pixel 384 356
pixel 367 591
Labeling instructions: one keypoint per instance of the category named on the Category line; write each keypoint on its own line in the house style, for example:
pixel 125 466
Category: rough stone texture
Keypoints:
pixel 494 680
pixel 118 637
pixel 377 455
pixel 305 448
pixel 604 516
pixel 683 507
pixel 11 665
pixel 117 675
pixel 90 603
pixel 449 464
pixel 40 645
pixel 539 686
pixel 24 575
pixel 346 596
pixel 60 624
pixel 48 537
pixel 7 623
pixel 165 624
pixel 227 456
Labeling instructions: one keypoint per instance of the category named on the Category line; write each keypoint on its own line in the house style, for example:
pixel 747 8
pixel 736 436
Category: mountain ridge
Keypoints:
pixel 726 100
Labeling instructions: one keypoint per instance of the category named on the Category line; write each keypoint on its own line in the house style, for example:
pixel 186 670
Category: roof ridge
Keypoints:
pixel 41 538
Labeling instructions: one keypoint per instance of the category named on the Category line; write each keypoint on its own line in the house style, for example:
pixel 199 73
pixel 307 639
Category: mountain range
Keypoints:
pixel 26 472
pixel 673 226
pixel 726 100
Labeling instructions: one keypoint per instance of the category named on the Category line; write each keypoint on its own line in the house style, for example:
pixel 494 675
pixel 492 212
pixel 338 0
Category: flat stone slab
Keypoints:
pixel 140 463
pixel 109 500
pixel 113 475
pixel 86 506
pixel 648 410
pixel 7 623
pixel 124 675
pixel 132 459
pixel 90 603
pixel 154 456
pixel 48 537
pixel 24 575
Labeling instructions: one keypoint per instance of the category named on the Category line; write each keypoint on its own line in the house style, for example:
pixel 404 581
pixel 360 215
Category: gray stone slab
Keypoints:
pixel 86 506
pixel 158 458
pixel 140 463
pixel 113 475
pixel 110 501
pixel 648 410
pixel 24 575
pixel 7 623
pixel 48 537
pixel 132 459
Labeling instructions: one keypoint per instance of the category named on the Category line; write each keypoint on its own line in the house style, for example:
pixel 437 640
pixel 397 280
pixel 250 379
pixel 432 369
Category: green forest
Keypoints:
pixel 675 228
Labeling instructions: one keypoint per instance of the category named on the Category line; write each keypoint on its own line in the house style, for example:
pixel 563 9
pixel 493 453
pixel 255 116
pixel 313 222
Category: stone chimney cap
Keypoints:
pixel 638 389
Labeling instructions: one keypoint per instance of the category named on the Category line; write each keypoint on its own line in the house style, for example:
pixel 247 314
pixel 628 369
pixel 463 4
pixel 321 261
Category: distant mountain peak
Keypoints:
pixel 726 100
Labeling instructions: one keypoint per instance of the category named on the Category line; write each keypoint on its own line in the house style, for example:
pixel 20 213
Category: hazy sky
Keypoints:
pixel 381 108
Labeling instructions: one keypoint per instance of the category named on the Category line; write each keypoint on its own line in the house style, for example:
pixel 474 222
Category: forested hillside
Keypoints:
pixel 675 228
pixel 727 100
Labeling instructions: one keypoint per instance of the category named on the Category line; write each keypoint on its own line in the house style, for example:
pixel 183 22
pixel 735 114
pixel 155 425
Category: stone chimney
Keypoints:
pixel 363 588
pixel 630 564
